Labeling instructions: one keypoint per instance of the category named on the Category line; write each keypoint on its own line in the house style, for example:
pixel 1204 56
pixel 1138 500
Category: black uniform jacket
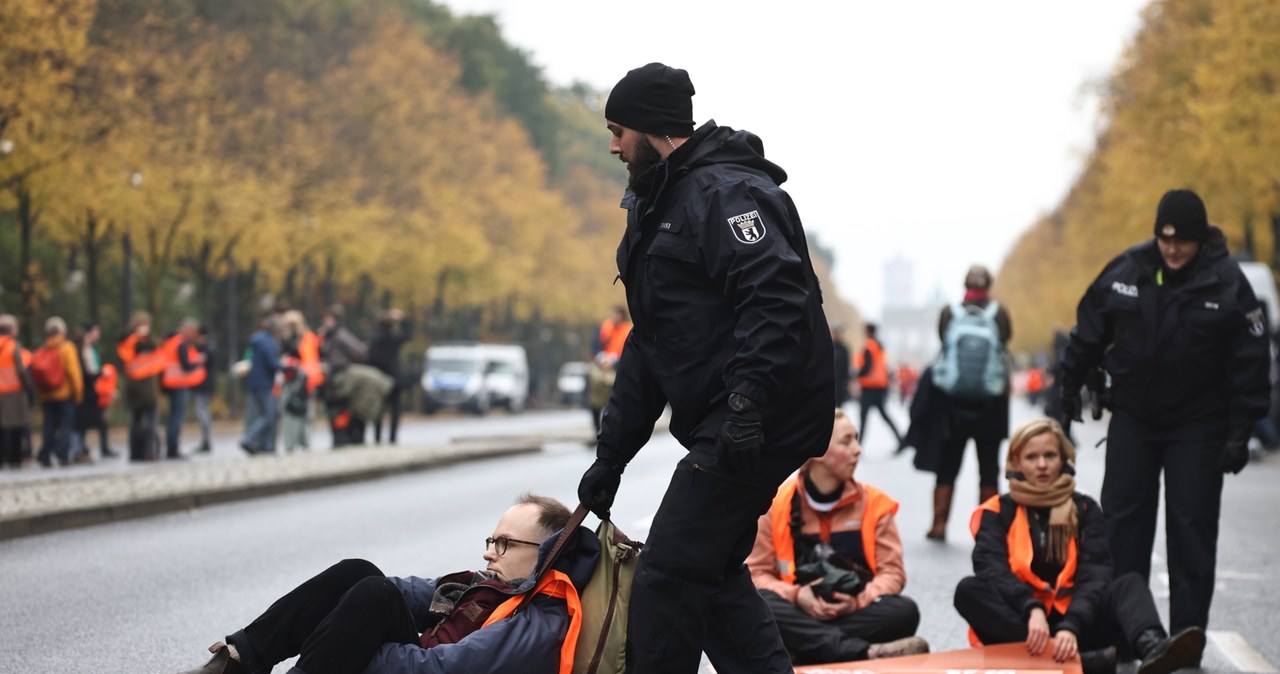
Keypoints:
pixel 1194 354
pixel 1093 562
pixel 723 299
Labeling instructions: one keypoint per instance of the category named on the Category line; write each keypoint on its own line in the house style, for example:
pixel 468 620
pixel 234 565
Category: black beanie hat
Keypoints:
pixel 653 99
pixel 1182 214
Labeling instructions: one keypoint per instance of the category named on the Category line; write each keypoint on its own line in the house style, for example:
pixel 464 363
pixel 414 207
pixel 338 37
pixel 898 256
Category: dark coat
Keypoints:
pixel 724 300
pixel 1189 353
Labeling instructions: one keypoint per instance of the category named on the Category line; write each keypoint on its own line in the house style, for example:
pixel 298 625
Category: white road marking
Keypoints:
pixel 1240 653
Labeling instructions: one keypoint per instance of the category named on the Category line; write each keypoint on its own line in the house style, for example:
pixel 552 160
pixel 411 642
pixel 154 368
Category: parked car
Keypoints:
pixel 475 377
pixel 572 383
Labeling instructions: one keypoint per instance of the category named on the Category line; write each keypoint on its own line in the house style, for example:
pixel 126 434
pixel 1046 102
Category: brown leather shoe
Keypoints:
pixel 220 663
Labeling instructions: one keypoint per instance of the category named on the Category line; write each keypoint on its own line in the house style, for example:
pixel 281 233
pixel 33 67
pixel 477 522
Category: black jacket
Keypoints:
pixel 724 300
pixel 1194 352
pixel 1093 563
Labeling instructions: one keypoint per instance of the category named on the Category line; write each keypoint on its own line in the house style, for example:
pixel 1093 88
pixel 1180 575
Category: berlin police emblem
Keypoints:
pixel 748 227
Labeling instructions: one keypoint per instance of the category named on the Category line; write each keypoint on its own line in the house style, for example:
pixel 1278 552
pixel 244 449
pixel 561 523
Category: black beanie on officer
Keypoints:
pixel 1182 214
pixel 653 99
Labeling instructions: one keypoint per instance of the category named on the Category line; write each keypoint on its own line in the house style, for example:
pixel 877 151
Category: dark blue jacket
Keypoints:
pixel 265 362
pixel 528 641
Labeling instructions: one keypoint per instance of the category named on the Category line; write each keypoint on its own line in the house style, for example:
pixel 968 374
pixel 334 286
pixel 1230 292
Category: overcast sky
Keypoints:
pixel 934 130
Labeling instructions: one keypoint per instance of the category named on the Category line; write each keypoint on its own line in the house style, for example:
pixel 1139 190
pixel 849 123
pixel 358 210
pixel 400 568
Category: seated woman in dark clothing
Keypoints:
pixel 1042 568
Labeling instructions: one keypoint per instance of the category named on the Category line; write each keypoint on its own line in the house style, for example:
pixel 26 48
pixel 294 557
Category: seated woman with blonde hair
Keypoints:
pixel 828 562
pixel 1042 567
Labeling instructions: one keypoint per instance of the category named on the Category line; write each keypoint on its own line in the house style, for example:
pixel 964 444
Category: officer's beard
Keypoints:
pixel 646 158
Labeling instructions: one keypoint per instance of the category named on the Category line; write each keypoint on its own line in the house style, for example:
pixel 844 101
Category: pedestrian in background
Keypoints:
pixel 91 412
pixel 873 381
pixel 843 365
pixel 55 369
pixel 1177 326
pixel 260 399
pixel 16 394
pixel 973 402
pixel 184 371
pixel 390 333
pixel 607 349
pixel 295 404
pixel 143 362
pixel 339 350
pixel 729 330
pixel 202 393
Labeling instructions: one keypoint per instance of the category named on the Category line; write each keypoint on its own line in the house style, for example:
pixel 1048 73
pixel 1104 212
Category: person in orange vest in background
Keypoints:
pixel 1042 569
pixel 55 369
pixel 304 345
pixel 1035 384
pixel 908 378
pixel 202 393
pixel 351 617
pixel 873 379
pixel 606 351
pixel 16 393
pixel 90 413
pixel 143 362
pixel 183 371
pixel 824 520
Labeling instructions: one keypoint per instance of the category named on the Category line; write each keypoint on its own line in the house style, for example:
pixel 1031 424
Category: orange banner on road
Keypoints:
pixel 1001 659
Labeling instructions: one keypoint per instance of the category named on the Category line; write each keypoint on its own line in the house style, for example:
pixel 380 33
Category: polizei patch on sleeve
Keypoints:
pixel 748 227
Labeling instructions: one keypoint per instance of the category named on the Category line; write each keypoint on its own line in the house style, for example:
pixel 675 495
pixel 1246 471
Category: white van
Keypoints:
pixel 476 377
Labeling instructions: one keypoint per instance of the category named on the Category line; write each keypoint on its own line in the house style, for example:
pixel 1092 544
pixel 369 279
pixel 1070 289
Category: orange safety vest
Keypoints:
pixel 1021 553
pixel 553 584
pixel 1035 380
pixel 174 376
pixel 9 381
pixel 105 386
pixel 309 354
pixel 878 375
pixel 141 365
pixel 613 336
pixel 878 504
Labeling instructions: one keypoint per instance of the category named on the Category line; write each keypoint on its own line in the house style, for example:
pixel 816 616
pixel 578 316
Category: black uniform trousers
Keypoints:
pixel 692 591
pixel 336 620
pixel 1190 458
pixel 874 398
pixel 966 424
pixel 846 638
pixel 1129 611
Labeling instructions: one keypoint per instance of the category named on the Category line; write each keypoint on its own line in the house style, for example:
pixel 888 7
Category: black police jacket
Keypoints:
pixel 1194 354
pixel 723 299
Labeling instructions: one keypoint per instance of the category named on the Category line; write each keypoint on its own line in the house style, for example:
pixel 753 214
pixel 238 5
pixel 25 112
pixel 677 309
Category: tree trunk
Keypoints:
pixel 27 284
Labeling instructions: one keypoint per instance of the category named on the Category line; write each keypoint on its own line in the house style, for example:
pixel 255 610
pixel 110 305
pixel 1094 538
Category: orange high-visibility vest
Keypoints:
pixel 1021 553
pixel 613 336
pixel 877 505
pixel 105 386
pixel 309 354
pixel 9 381
pixel 553 584
pixel 140 365
pixel 174 376
pixel 878 375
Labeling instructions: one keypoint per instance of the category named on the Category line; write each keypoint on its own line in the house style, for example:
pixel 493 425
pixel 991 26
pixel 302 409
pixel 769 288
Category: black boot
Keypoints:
pixel 1162 654
pixel 1101 661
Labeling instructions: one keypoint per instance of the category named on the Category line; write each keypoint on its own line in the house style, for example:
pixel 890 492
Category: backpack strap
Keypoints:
pixel 992 307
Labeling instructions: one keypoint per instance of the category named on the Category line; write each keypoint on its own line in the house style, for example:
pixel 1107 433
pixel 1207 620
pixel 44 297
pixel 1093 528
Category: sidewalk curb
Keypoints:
pixel 416 460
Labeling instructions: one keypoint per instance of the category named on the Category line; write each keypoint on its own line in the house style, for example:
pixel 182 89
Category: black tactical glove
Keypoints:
pixel 1235 454
pixel 1072 405
pixel 599 485
pixel 741 437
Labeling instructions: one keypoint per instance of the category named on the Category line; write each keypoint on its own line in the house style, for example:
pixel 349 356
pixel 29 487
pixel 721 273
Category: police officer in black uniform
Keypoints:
pixel 1176 325
pixel 728 330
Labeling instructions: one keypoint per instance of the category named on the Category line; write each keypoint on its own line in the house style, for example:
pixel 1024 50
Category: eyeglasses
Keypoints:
pixel 501 543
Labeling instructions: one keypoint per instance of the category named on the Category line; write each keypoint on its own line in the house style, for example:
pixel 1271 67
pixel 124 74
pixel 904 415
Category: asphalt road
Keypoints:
pixel 149 595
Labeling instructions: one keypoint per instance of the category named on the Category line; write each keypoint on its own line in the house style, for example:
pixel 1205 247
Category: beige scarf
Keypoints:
pixel 1062 510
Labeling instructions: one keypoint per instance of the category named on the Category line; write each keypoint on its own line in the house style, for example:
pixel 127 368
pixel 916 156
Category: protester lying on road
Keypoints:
pixel 823 521
pixel 1042 567
pixel 351 618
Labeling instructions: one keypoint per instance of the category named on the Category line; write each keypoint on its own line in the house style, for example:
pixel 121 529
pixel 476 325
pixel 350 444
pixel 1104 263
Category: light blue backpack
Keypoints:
pixel 972 364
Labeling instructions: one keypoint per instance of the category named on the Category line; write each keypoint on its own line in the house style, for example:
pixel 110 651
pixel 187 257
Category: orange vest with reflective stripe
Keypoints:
pixel 613 336
pixel 878 375
pixel 140 365
pixel 553 584
pixel 1021 553
pixel 9 381
pixel 309 355
pixel 174 376
pixel 877 505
